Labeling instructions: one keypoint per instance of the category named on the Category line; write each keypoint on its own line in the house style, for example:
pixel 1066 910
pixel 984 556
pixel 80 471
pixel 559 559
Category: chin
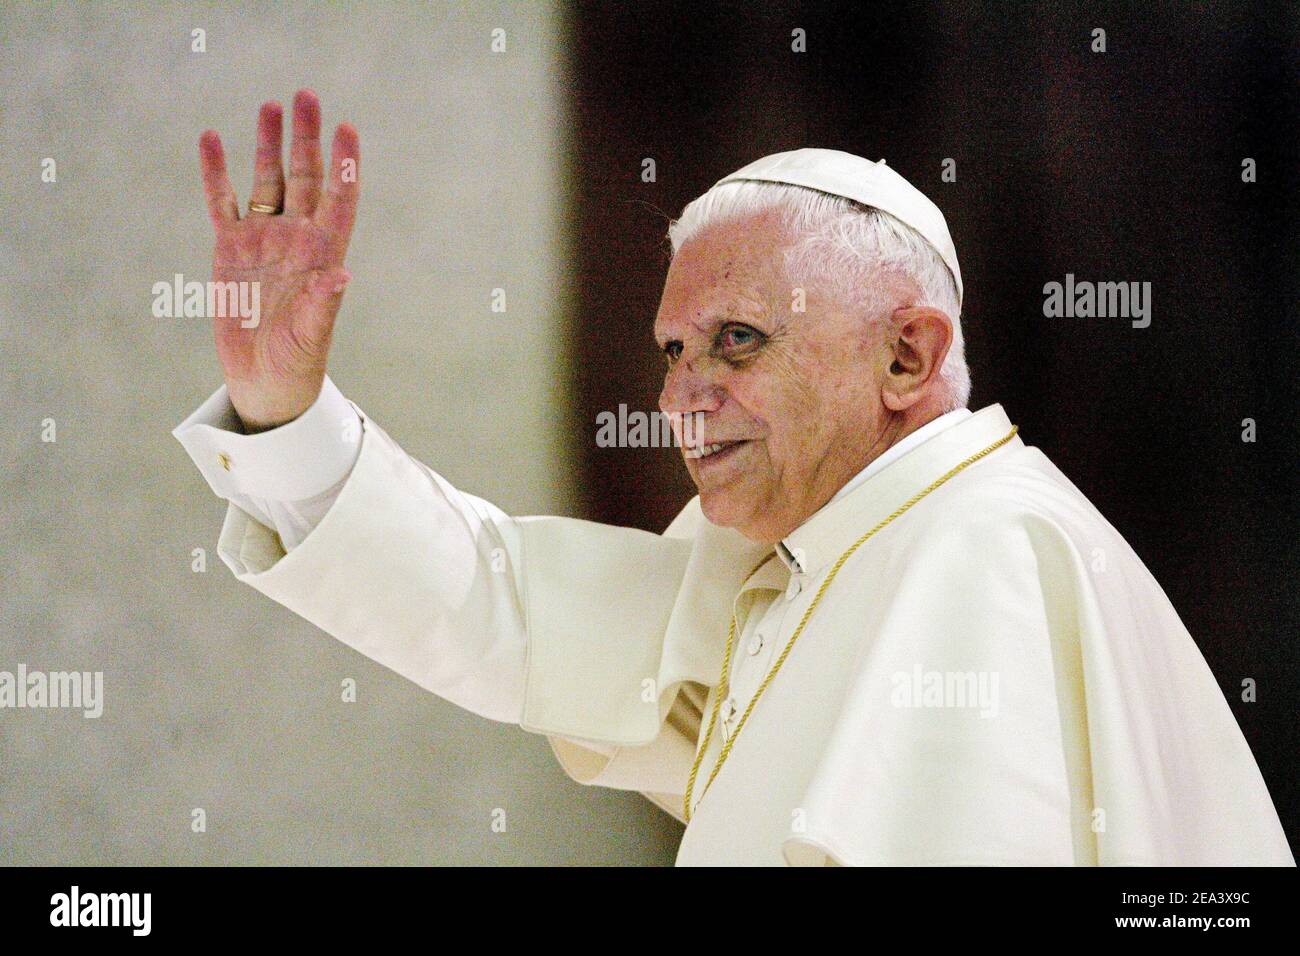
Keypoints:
pixel 720 508
pixel 729 511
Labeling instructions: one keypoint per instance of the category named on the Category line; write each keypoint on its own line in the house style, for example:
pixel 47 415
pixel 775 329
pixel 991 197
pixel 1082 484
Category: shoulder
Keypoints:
pixel 1018 501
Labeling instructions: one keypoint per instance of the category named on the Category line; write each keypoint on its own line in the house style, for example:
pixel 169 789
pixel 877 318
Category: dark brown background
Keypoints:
pixel 1123 166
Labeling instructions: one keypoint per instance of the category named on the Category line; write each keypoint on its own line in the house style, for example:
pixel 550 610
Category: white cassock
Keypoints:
pixel 992 678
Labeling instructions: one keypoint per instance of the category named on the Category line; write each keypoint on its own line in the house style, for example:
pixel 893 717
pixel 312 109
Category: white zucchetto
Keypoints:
pixel 852 177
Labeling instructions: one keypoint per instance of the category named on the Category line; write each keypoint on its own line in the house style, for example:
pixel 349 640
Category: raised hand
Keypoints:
pixel 274 369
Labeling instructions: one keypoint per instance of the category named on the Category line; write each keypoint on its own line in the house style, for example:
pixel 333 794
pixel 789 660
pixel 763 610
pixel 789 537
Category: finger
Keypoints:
pixel 305 172
pixel 338 210
pixel 268 171
pixel 223 208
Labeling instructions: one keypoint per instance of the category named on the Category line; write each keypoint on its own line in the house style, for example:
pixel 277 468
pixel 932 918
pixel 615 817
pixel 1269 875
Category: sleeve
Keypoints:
pixel 288 477
pixel 552 623
pixel 658 769
pixel 656 759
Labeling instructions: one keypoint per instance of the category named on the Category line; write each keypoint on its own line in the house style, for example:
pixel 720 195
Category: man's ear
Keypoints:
pixel 916 345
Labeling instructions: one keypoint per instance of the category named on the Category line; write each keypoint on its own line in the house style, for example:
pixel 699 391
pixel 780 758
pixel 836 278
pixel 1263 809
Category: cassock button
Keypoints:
pixel 755 645
pixel 224 459
pixel 728 709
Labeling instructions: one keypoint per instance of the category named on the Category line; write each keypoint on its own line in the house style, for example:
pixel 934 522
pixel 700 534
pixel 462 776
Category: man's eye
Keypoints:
pixel 672 350
pixel 738 336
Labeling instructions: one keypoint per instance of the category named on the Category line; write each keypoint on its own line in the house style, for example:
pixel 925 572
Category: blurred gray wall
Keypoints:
pixel 216 697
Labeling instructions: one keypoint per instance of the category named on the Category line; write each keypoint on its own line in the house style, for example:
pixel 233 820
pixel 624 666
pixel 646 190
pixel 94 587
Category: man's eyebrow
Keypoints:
pixel 709 326
pixel 714 320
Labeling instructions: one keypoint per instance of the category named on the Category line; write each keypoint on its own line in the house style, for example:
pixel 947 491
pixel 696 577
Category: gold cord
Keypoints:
pixel 724 681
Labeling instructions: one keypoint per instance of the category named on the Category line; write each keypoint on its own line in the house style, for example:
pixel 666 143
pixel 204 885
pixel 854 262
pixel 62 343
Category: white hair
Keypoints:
pixel 850 247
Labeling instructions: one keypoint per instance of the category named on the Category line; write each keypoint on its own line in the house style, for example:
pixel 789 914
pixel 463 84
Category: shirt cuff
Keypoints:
pixel 299 459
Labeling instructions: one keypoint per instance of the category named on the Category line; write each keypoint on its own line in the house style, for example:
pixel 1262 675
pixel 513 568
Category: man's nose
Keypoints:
pixel 689 391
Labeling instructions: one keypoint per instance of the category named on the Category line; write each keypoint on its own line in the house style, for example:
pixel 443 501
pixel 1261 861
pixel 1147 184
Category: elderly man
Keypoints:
pixel 887 631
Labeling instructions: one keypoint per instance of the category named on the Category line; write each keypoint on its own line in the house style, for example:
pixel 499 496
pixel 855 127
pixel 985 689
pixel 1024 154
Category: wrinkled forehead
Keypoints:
pixel 738 266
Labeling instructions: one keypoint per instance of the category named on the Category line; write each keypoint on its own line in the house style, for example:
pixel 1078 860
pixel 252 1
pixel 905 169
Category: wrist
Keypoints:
pixel 260 413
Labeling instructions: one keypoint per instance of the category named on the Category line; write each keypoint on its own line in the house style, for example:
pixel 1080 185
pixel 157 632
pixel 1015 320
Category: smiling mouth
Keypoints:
pixel 710 451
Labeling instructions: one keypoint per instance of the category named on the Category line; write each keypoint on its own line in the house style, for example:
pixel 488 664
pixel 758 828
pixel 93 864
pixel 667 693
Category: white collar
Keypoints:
pixel 890 454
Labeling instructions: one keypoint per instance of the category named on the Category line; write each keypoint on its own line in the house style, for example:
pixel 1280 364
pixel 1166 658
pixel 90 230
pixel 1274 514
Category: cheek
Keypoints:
pixel 810 412
pixel 785 411
pixel 840 376
pixel 796 396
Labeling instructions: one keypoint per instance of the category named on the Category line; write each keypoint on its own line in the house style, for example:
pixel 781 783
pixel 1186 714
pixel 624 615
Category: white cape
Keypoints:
pixel 1106 741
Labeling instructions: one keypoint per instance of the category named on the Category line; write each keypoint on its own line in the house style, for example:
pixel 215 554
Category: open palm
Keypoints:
pixel 292 243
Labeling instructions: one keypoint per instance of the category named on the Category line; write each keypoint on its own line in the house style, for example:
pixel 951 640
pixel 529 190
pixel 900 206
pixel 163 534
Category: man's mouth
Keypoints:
pixel 708 451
